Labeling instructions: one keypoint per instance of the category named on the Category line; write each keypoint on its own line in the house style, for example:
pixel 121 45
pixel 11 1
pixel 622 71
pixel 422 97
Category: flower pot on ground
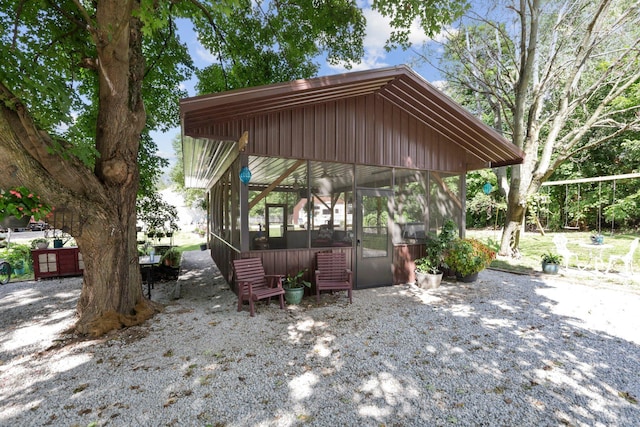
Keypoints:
pixel 293 295
pixel 294 287
pixel 551 262
pixel 428 280
pixel 470 278
pixel 171 257
pixel 18 256
pixel 428 275
pixel 468 257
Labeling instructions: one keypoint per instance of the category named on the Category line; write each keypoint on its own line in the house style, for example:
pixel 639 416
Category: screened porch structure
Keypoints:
pixel 366 163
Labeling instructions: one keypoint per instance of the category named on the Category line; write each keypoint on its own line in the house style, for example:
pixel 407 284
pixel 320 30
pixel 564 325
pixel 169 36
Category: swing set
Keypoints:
pixel 573 224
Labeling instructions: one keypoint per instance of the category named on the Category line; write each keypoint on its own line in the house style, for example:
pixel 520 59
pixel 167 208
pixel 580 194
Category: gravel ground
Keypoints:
pixel 507 350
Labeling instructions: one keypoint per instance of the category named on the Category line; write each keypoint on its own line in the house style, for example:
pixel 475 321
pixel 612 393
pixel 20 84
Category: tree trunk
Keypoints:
pixel 511 233
pixel 112 292
pixel 102 200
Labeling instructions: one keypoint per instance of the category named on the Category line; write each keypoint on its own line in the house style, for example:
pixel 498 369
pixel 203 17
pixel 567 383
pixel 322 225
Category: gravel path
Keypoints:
pixel 507 350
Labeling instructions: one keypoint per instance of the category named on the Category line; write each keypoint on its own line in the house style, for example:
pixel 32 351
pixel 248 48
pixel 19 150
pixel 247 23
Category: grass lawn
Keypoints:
pixel 533 245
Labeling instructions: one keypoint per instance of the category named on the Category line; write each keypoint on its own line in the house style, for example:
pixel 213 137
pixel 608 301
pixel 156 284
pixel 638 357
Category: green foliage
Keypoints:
pixel 431 15
pixel 263 43
pixel 172 257
pixel 18 255
pixel 468 256
pixel 296 280
pixel 158 215
pixel 435 248
pixel 21 202
pixel 551 258
pixel 34 243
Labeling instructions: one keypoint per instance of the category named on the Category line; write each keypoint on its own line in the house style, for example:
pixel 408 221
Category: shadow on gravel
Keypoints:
pixel 495 352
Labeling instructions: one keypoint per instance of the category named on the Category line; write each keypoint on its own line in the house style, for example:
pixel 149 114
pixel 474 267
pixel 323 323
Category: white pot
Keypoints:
pixel 428 280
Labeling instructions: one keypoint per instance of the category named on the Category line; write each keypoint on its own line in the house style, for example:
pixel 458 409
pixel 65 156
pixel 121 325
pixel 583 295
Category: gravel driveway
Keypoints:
pixel 508 350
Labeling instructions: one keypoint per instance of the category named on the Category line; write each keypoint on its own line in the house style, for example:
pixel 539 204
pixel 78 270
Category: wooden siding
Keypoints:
pixel 367 130
pixel 404 265
pixel 291 261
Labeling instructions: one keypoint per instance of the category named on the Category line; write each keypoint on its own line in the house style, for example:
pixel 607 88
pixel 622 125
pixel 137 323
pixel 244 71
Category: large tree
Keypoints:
pixel 82 83
pixel 558 78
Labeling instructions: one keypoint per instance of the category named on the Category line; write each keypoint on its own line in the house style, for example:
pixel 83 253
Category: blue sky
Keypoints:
pixel 377 32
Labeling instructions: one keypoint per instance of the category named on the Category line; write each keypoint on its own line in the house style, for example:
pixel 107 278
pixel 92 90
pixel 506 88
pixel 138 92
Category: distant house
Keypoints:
pixel 366 163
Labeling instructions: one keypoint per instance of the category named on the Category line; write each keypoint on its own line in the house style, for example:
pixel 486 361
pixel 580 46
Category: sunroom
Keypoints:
pixel 366 163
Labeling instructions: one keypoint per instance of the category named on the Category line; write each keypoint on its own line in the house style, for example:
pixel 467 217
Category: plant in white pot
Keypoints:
pixel 40 243
pixel 428 276
pixel 428 268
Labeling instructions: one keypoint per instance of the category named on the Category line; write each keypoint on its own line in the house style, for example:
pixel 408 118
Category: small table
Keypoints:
pixel 598 256
pixel 149 262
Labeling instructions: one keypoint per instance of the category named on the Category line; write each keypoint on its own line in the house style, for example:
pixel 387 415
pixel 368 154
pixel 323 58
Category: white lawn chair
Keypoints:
pixel 561 247
pixel 627 258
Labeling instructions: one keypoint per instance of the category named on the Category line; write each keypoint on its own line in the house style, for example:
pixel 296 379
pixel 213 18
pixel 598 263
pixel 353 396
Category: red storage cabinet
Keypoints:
pixel 57 262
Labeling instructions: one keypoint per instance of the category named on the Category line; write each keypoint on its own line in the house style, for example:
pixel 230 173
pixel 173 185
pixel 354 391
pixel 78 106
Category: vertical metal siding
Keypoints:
pixel 364 130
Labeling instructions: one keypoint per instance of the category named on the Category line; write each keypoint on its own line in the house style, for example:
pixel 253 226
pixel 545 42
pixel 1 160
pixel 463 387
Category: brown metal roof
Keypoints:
pixel 398 85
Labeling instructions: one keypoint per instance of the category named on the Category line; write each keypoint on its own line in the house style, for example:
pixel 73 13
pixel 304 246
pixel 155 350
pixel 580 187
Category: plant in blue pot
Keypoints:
pixel 294 285
pixel 551 262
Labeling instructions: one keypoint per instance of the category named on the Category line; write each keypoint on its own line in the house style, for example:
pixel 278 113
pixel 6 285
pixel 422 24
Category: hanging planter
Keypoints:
pixel 14 222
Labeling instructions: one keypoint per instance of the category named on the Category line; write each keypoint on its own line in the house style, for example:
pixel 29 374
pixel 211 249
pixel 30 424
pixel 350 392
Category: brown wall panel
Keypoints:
pixel 403 262
pixel 341 131
pixel 363 130
pixel 297 133
pixel 321 133
pixel 309 133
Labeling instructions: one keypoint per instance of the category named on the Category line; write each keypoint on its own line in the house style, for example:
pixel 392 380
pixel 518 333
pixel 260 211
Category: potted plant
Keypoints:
pixel 40 243
pixel 428 276
pixel 18 256
pixel 448 234
pixel 551 262
pixel 429 268
pixel 171 258
pixel 468 257
pixel 597 239
pixel 19 204
pixel 294 287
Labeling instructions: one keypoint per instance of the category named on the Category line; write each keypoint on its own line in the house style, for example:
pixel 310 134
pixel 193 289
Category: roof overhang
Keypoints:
pixel 399 85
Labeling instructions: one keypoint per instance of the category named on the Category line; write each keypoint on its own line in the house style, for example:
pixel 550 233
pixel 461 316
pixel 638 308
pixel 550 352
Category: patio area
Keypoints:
pixel 506 350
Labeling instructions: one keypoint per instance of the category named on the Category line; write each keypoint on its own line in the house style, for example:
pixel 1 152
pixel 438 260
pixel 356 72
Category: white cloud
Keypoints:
pixel 377 33
pixel 203 54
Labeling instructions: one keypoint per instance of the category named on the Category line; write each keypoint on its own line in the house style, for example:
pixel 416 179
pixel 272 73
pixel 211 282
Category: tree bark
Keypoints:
pixel 102 200
pixel 112 272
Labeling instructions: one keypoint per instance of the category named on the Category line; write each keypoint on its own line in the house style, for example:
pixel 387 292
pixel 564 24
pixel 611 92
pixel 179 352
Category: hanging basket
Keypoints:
pixel 13 222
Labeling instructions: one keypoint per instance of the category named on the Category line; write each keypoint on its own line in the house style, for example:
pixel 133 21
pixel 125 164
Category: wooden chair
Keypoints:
pixel 627 258
pixel 332 274
pixel 254 285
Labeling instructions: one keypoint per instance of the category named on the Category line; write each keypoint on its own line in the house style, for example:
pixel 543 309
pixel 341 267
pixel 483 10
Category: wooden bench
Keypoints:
pixel 254 285
pixel 332 274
